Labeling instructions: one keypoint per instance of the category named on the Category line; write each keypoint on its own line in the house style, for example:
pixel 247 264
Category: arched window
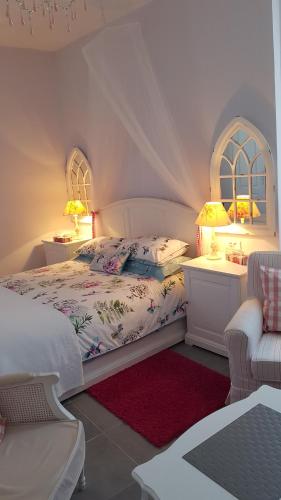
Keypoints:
pixel 242 176
pixel 79 178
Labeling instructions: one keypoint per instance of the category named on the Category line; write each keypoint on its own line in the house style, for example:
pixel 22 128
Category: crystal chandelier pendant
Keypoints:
pixel 8 12
pixel 46 8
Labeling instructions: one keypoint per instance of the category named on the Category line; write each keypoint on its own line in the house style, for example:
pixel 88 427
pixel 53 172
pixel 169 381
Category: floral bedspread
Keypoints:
pixel 107 311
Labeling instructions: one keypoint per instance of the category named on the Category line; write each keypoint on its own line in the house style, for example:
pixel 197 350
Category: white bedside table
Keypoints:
pixel 215 290
pixel 59 252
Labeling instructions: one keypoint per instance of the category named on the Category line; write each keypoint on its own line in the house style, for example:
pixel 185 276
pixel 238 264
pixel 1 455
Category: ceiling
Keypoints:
pixel 43 38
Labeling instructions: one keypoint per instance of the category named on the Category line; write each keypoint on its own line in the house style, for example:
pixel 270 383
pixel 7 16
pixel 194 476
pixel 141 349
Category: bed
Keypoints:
pixel 118 320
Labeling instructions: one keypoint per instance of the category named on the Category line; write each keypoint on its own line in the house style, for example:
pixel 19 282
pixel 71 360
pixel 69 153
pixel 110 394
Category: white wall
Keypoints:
pixel 213 61
pixel 32 156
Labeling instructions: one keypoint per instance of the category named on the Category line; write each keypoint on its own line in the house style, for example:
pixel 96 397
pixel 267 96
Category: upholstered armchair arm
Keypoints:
pixel 29 398
pixel 242 336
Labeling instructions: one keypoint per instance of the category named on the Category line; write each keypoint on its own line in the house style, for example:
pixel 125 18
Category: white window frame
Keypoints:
pixel 74 162
pixel 236 124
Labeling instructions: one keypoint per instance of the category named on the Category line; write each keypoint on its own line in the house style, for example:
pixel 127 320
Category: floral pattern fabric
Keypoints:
pixel 101 245
pixel 107 311
pixel 111 264
pixel 155 249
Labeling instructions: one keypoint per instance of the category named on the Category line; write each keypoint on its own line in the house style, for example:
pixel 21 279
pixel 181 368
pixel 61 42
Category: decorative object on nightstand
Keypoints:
pixel 62 238
pixel 59 252
pixel 245 209
pixel 213 214
pixel 75 208
pixel 235 254
pixel 215 291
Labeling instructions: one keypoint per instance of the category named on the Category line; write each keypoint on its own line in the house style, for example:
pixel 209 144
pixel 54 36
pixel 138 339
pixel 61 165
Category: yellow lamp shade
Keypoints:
pixel 213 214
pixel 74 207
pixel 243 208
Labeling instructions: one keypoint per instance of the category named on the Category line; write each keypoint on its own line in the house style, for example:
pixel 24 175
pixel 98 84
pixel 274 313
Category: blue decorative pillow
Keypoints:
pixel 146 268
pixel 84 258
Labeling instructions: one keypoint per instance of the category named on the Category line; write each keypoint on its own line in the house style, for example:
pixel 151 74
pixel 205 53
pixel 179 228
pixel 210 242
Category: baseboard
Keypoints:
pixel 206 344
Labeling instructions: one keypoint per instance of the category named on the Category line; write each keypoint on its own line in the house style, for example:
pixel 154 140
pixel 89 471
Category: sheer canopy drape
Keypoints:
pixel 120 64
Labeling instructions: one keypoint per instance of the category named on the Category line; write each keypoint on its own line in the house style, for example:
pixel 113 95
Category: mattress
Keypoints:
pixel 107 311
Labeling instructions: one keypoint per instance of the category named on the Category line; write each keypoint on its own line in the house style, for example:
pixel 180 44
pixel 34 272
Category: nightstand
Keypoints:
pixel 215 290
pixel 59 252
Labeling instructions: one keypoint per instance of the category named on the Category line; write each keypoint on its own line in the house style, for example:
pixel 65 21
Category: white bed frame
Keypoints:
pixel 130 218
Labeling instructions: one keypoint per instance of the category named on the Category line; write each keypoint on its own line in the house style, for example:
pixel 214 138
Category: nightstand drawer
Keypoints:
pixel 204 277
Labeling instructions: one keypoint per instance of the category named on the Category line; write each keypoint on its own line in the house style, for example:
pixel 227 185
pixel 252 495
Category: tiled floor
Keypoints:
pixel 113 449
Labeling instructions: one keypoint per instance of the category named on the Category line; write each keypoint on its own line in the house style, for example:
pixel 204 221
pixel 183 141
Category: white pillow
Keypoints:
pixel 156 249
pixel 103 244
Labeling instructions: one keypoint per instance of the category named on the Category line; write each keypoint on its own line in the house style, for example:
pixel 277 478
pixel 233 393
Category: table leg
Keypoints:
pixel 144 495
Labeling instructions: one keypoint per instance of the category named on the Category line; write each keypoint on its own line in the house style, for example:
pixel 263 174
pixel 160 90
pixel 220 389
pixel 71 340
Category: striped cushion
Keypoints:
pixel 271 285
pixel 266 360
pixel 2 428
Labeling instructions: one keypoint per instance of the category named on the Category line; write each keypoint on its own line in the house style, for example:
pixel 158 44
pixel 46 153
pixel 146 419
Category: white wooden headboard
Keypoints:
pixel 145 216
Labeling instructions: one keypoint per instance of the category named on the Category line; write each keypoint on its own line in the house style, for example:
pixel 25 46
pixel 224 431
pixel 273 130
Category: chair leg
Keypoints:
pixel 227 401
pixel 144 495
pixel 82 481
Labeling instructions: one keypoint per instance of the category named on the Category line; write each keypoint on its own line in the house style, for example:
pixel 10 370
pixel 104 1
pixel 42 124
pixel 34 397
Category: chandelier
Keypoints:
pixel 50 9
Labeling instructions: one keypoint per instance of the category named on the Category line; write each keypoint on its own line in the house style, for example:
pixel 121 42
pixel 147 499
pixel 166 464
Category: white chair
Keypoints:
pixel 254 357
pixel 43 451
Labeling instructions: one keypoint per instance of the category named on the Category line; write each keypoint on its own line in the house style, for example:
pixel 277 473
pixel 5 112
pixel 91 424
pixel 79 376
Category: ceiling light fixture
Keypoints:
pixel 47 8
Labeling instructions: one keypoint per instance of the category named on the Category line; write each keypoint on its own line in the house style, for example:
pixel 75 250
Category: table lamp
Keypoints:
pixel 75 208
pixel 213 214
pixel 243 209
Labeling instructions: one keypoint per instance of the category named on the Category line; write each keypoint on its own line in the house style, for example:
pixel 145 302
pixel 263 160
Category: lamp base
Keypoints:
pixel 215 256
pixel 76 227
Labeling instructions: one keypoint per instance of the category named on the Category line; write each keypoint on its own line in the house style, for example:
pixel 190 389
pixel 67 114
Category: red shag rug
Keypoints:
pixel 162 396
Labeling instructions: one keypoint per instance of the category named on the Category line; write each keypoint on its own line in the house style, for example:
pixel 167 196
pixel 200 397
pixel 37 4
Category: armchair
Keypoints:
pixel 254 358
pixel 43 450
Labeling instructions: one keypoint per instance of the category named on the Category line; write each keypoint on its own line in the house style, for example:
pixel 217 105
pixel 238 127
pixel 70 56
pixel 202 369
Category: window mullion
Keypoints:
pixel 243 148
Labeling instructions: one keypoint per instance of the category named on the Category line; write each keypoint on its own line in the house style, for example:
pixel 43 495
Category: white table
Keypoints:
pixel 169 477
